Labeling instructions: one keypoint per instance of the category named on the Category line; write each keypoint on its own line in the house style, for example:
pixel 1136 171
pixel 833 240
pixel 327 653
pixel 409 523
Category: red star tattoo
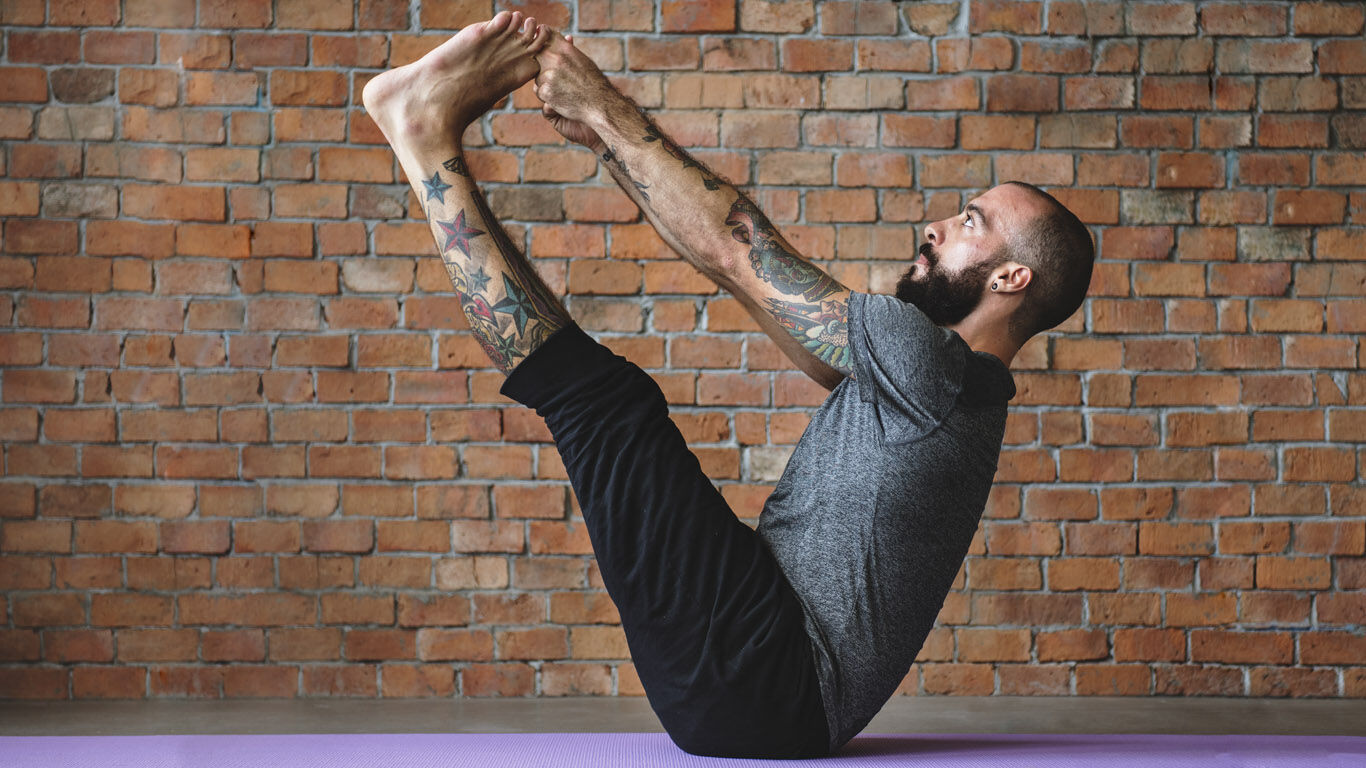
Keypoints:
pixel 458 234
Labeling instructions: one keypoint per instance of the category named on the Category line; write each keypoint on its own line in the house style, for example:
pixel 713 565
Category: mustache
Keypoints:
pixel 927 250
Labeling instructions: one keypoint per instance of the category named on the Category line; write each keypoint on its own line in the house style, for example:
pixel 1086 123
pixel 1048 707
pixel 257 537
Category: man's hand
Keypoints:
pixel 573 130
pixel 568 83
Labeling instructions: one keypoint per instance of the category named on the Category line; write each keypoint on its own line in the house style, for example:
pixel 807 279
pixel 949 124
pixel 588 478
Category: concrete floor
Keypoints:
pixel 942 714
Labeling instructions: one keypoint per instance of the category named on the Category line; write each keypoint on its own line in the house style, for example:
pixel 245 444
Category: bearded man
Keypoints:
pixel 785 641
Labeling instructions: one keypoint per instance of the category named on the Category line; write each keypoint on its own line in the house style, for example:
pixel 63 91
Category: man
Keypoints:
pixel 784 642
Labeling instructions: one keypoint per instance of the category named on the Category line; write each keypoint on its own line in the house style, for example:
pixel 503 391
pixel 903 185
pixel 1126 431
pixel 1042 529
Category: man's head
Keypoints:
pixel 1014 240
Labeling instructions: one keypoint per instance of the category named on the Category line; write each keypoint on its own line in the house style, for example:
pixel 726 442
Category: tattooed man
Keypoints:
pixel 785 641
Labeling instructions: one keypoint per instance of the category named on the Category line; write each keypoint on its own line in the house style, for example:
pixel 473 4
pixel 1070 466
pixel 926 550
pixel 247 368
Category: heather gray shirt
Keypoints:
pixel 873 516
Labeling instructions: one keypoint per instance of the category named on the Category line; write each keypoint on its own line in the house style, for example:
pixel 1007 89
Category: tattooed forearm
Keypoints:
pixel 771 260
pixel 822 328
pixel 704 229
pixel 812 306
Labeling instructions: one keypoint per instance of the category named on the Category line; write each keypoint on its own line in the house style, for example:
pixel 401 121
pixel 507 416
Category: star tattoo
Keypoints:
pixel 458 233
pixel 517 304
pixel 506 347
pixel 479 281
pixel 436 187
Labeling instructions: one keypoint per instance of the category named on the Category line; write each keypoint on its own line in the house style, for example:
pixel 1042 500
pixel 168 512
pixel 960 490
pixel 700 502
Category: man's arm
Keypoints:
pixel 704 218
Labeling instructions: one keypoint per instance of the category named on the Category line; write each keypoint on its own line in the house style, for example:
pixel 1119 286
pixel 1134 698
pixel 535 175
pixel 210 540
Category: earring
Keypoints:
pixel 993 286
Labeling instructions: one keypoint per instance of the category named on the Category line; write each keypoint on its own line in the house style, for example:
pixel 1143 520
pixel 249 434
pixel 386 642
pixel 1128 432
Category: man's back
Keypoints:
pixel 879 502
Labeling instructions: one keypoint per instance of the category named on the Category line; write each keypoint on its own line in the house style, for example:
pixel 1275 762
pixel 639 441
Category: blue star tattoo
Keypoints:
pixel 479 281
pixel 517 304
pixel 506 347
pixel 458 234
pixel 436 187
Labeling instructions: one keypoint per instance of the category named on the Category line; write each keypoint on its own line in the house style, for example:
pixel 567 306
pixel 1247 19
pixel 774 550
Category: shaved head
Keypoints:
pixel 1057 248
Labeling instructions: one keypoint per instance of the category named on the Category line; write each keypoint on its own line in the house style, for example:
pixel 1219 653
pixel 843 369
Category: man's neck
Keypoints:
pixel 988 338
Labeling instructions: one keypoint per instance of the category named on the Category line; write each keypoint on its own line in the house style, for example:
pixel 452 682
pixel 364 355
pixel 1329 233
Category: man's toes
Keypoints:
pixel 539 40
pixel 499 22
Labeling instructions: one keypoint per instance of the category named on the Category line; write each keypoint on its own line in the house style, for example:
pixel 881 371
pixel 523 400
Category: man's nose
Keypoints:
pixel 933 233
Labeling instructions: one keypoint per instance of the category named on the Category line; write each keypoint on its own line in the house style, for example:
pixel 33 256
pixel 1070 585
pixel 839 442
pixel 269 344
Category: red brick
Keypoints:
pixel 1022 93
pixel 307 88
pixel 1282 130
pixel 938 94
pixel 1174 93
pixel 26 386
pixel 38 237
pixel 1249 279
pixel 46 47
pixel 1112 680
pixel 1084 93
pixel 1160 18
pixel 1298 573
pixel 814 55
pixel 899 55
pixel 1178 55
pixel 1241 647
pixel 180 202
pixel 108 682
pixel 315 14
pixel 656 54
pixel 914 131
pixel 1006 16
pixel 1054 57
pixel 1189 169
pixel 1325 18
pixel 1156 131
pixel 997 132
pixel 1308 207
pixel 1242 19
pixel 1150 645
pixel 711 16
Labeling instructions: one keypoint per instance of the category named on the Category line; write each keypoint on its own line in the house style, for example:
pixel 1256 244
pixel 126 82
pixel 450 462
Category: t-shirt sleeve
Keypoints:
pixel 908 367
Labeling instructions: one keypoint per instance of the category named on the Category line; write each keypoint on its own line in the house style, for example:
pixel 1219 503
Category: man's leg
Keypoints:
pixel 715 630
pixel 423 109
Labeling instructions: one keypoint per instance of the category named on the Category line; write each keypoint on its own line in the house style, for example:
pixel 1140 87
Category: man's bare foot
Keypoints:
pixel 436 97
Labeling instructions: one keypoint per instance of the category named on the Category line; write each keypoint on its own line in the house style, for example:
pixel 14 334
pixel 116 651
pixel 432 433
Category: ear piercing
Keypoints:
pixel 993 286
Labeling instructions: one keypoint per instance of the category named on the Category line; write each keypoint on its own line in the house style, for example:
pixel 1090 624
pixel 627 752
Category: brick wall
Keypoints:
pixel 251 449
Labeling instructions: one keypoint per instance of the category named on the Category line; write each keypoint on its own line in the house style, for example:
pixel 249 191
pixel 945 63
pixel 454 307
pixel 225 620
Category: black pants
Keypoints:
pixel 714 628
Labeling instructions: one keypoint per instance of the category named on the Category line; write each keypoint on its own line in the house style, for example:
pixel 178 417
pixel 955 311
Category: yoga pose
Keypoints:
pixel 786 641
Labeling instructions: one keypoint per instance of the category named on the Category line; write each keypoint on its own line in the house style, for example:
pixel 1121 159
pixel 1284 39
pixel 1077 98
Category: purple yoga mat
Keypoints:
pixel 582 750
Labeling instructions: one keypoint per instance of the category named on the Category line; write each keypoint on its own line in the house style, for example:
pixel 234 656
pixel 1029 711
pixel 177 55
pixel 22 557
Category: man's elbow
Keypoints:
pixel 722 262
pixel 719 263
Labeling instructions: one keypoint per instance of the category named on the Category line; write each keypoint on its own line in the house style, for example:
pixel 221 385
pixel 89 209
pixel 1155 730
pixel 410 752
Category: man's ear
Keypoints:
pixel 1011 277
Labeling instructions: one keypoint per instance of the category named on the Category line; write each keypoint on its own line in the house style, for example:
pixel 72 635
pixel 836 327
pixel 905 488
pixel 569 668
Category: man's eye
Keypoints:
pixel 967 220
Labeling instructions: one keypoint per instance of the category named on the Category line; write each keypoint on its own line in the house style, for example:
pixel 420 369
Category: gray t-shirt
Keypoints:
pixel 874 514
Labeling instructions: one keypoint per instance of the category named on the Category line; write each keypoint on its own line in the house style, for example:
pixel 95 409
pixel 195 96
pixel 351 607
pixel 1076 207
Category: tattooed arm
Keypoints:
pixel 799 305
pixel 705 219
pixel 722 233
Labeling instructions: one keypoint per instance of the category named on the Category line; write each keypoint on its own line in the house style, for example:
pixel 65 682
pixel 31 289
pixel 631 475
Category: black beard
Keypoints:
pixel 944 298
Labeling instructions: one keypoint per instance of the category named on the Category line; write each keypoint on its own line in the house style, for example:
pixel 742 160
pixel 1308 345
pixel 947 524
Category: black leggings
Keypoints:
pixel 714 628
